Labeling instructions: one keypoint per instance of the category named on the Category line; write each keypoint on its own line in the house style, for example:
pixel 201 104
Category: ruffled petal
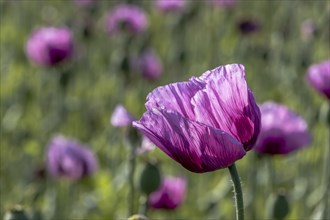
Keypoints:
pixel 227 103
pixel 175 97
pixel 197 147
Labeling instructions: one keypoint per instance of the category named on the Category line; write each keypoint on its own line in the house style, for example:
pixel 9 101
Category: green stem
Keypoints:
pixel 144 206
pixel 271 173
pixel 238 192
pixel 254 181
pixel 326 213
pixel 131 171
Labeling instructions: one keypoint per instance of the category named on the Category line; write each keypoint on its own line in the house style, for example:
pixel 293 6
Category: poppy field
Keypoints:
pixel 164 109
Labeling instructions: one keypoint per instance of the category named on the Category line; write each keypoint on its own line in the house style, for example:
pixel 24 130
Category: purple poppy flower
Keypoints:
pixel 146 145
pixel 206 123
pixel 282 131
pixel 68 158
pixel 149 65
pixel 132 17
pixel 318 76
pixel 170 194
pixel 121 117
pixel 223 3
pixel 170 5
pixel 49 46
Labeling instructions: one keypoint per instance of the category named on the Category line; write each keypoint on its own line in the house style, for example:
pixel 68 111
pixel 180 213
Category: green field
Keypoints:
pixel 77 98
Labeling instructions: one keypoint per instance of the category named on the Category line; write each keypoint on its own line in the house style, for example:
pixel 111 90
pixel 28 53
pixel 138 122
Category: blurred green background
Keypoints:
pixel 77 98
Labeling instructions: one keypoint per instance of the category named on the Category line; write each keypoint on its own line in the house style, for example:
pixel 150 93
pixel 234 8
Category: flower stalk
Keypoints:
pixel 326 213
pixel 131 171
pixel 237 191
pixel 144 206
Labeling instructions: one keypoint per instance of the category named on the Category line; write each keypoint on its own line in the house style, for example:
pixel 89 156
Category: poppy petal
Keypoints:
pixel 175 97
pixel 197 147
pixel 227 103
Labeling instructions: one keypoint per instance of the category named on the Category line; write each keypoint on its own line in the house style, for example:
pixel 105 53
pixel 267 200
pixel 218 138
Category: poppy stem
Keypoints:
pixel 326 213
pixel 144 206
pixel 271 173
pixel 237 191
pixel 131 171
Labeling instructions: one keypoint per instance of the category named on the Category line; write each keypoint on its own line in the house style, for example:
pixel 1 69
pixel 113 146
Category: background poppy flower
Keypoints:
pixel 170 194
pixel 121 117
pixel 70 159
pixel 318 76
pixel 131 17
pixel 282 130
pixel 49 46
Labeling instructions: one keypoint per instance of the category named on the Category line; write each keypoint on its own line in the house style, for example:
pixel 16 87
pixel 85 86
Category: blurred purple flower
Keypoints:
pixel 170 5
pixel 170 194
pixel 148 63
pixel 248 26
pixel 223 3
pixel 68 158
pixel 318 76
pixel 206 123
pixel 146 145
pixel 121 118
pixel 131 17
pixel 84 3
pixel 282 131
pixel 49 46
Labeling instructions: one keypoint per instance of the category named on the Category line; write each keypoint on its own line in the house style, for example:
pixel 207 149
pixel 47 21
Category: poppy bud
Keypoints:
pixel 278 206
pixel 150 178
